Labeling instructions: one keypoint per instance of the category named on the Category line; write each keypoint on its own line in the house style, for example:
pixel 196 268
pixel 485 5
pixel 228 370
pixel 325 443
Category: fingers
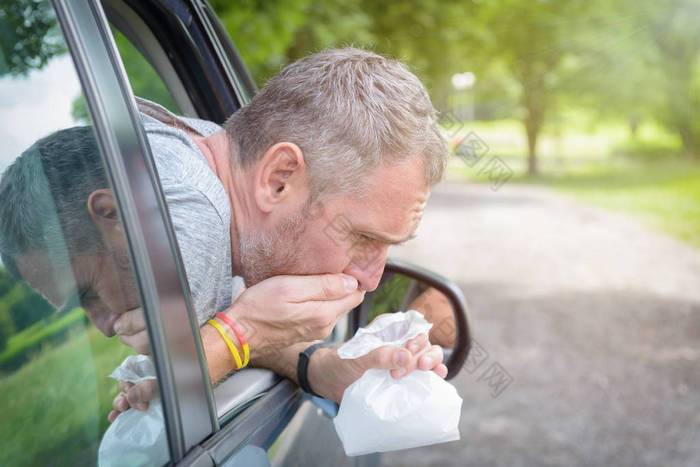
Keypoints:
pixel 419 354
pixel 135 396
pixel 130 323
pixel 131 329
pixel 140 394
pixel 418 344
pixel 387 358
pixel 124 386
pixel 113 416
pixel 327 314
pixel 341 307
pixel 139 342
pixel 120 403
pixel 441 371
pixel 318 287
pixel 407 363
pixel 430 359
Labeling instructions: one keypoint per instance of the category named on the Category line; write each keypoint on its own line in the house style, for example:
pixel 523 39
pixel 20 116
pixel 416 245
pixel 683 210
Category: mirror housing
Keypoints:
pixel 454 358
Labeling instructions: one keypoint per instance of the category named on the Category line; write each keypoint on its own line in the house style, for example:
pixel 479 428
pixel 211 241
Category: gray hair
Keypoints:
pixel 43 198
pixel 349 111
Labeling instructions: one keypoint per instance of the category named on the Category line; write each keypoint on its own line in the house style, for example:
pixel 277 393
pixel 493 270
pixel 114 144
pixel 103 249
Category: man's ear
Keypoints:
pixel 103 211
pixel 281 175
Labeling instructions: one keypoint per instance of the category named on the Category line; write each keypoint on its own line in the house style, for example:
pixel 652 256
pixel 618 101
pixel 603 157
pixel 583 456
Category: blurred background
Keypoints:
pixel 598 99
pixel 570 215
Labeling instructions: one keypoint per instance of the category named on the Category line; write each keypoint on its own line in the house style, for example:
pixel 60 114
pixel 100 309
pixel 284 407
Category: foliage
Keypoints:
pixel 144 80
pixel 647 151
pixel 388 297
pixel 262 30
pixel 664 196
pixel 7 326
pixel 21 346
pixel 24 304
pixel 673 32
pixel 55 408
pixel 428 35
pixel 29 36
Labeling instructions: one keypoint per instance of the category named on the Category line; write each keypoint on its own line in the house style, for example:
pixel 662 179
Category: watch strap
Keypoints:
pixel 303 366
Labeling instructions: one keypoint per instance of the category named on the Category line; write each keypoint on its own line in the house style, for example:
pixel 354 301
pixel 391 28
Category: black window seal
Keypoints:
pixel 226 52
pixel 177 27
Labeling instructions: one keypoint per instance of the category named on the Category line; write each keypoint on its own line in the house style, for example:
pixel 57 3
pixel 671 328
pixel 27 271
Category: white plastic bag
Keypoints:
pixel 135 438
pixel 379 413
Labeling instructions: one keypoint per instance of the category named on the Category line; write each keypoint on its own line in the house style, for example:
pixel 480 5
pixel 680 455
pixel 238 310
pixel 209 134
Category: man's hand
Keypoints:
pixel 329 375
pixel 131 329
pixel 284 310
pixel 273 314
pixel 135 396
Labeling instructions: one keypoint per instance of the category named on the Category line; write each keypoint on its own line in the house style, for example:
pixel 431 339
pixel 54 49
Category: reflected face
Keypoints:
pixel 348 234
pixel 103 285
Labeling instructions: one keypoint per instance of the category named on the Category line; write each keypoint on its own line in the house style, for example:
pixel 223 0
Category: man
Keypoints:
pixel 344 134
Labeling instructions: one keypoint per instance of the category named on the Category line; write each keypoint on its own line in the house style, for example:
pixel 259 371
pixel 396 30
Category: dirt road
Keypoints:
pixel 588 328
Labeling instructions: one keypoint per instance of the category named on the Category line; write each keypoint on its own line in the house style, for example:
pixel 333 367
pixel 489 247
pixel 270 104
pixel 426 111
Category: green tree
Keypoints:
pixel 431 36
pixel 29 36
pixel 24 305
pixel 331 24
pixel 262 30
pixel 7 326
pixel 673 29
pixel 530 42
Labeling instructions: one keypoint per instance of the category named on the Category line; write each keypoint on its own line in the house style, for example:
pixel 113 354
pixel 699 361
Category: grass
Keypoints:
pixel 646 179
pixel 664 197
pixel 55 407
pixel 37 334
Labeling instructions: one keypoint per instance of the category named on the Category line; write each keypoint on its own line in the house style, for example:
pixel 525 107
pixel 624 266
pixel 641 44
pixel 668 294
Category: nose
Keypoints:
pixel 101 317
pixel 368 267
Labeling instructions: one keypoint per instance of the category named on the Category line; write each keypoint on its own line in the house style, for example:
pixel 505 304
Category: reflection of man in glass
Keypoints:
pixel 60 231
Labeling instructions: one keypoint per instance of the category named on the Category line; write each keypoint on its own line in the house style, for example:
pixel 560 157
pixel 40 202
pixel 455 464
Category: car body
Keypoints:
pixel 255 417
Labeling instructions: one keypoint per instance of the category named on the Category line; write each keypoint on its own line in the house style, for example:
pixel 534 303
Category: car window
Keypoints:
pixel 145 81
pixel 154 75
pixel 65 275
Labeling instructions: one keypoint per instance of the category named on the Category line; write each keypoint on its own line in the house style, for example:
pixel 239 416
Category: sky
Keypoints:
pixel 34 106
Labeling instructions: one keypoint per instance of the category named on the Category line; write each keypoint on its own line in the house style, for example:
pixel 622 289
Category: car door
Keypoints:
pixel 203 78
pixel 83 225
pixel 182 45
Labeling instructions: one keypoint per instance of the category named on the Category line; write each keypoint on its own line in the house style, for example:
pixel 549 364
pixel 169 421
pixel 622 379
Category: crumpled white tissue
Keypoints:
pixel 379 413
pixel 135 438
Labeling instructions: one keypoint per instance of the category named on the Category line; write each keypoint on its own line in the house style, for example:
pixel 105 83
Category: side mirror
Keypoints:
pixel 405 286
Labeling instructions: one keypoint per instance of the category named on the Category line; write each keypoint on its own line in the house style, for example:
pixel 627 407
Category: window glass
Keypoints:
pixel 65 275
pixel 145 82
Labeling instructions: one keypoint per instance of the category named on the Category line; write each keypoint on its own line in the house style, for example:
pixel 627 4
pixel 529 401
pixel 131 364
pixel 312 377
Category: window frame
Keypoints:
pixel 211 83
pixel 196 23
pixel 175 342
pixel 256 405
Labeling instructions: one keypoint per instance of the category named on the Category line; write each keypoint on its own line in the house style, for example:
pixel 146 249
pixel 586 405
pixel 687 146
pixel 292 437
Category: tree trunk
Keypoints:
pixel 534 100
pixel 532 151
pixel 690 140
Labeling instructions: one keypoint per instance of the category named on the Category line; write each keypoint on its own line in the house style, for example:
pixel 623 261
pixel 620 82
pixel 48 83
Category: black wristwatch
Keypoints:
pixel 303 366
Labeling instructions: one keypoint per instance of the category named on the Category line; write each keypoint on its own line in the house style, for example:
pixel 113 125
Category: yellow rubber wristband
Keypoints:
pixel 231 347
pixel 246 355
pixel 239 334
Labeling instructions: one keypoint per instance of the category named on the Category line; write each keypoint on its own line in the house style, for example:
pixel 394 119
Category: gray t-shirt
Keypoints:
pixel 198 204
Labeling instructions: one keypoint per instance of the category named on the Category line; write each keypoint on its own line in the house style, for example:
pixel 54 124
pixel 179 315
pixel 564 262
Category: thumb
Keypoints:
pixel 386 358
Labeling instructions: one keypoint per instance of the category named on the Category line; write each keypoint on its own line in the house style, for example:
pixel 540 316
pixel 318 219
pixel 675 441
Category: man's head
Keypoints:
pixel 59 228
pixel 338 152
